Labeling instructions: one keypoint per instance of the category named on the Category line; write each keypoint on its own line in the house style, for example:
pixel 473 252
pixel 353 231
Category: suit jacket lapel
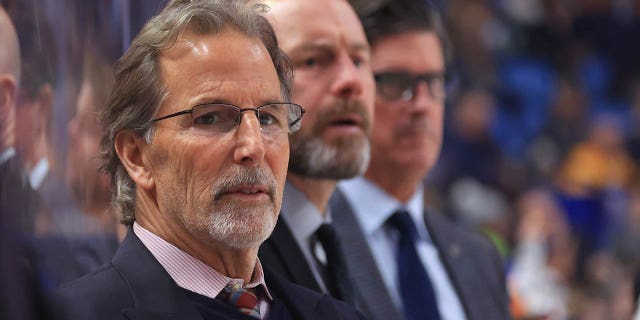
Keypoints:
pixel 464 263
pixel 155 294
pixel 372 297
pixel 281 248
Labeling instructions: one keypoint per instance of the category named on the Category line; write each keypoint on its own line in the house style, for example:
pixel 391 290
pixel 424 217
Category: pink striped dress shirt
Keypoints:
pixel 194 275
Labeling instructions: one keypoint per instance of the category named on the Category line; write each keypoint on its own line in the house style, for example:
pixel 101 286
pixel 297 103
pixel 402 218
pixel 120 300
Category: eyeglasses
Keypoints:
pixel 274 118
pixel 401 85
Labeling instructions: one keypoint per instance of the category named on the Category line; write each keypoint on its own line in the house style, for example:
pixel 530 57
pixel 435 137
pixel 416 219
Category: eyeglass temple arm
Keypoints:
pixel 172 115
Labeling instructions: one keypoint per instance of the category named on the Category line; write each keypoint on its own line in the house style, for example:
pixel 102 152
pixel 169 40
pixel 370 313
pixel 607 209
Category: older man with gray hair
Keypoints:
pixel 196 142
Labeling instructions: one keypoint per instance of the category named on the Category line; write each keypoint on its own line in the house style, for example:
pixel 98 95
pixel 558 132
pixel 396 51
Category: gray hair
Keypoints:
pixel 139 90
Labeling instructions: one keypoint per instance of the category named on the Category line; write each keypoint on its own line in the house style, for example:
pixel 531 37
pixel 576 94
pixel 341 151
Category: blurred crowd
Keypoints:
pixel 541 149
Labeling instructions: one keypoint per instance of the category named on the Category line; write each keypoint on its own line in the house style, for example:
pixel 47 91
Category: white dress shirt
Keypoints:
pixel 372 207
pixel 6 154
pixel 303 219
pixel 38 173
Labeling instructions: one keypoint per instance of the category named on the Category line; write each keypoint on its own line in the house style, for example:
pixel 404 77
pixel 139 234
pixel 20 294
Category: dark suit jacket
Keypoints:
pixel 473 264
pixel 135 286
pixel 19 293
pixel 283 256
pixel 17 198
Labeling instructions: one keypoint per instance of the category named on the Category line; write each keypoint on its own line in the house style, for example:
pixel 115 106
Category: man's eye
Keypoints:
pixel 208 118
pixel 267 119
pixel 310 62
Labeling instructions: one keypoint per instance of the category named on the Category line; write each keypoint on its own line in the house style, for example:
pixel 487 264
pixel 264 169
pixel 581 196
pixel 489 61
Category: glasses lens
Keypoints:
pixel 393 85
pixel 273 118
pixel 280 117
pixel 436 85
pixel 216 118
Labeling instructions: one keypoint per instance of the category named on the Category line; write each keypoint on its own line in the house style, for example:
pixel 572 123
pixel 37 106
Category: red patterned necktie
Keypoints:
pixel 243 299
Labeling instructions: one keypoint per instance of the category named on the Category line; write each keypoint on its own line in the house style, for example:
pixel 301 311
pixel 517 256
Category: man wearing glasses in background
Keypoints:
pixel 406 261
pixel 196 143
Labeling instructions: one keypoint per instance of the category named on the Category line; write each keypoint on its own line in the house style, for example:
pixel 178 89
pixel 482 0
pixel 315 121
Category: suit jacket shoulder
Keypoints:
pixel 135 286
pixel 474 266
pixel 284 257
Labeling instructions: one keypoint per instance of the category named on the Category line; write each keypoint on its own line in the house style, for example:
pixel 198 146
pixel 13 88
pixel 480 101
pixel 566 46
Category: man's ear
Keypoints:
pixel 8 90
pixel 130 149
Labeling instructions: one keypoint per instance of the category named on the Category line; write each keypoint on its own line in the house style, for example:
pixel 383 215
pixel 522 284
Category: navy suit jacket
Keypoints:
pixel 472 262
pixel 284 257
pixel 135 286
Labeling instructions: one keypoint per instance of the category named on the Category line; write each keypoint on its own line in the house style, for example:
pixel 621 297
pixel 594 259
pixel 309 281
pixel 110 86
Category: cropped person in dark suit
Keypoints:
pixel 333 81
pixel 407 261
pixel 19 295
pixel 196 144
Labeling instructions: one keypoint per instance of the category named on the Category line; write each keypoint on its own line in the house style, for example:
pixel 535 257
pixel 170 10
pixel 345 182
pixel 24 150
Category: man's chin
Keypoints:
pixel 245 231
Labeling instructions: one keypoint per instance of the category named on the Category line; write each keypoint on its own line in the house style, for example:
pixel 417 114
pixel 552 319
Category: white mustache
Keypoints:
pixel 245 177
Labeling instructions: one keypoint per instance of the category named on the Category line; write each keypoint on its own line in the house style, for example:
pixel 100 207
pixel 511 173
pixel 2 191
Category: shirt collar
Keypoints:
pixel 302 217
pixel 6 154
pixel 373 206
pixel 38 173
pixel 190 273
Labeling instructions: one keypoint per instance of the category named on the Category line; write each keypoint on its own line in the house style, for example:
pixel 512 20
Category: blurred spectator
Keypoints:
pixel 593 183
pixel 600 162
pixel 18 295
pixel 543 259
pixel 566 126
pixel 61 258
pixel 34 106
pixel 607 291
pixel 90 187
pixel 469 135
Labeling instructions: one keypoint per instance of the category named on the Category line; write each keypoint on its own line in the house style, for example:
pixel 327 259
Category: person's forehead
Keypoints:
pixel 200 66
pixel 300 22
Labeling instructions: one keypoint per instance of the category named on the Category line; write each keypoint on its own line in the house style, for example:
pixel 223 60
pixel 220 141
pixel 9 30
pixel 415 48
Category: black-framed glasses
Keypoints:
pixel 401 85
pixel 274 118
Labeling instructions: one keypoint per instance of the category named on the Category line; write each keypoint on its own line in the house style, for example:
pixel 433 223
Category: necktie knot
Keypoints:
pixel 243 299
pixel 401 220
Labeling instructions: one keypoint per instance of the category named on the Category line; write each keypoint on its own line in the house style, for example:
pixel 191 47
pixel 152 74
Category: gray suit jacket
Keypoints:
pixel 471 260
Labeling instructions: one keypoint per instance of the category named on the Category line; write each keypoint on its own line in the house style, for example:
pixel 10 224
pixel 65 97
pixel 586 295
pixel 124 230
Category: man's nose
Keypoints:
pixel 422 97
pixel 347 82
pixel 249 144
pixel 72 127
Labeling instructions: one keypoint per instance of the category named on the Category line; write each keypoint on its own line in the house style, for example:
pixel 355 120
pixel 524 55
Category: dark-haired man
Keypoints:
pixel 407 261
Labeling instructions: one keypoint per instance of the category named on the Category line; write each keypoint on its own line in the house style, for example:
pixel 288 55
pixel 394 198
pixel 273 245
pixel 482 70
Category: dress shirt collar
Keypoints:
pixel 302 217
pixel 38 173
pixel 190 273
pixel 373 206
pixel 6 154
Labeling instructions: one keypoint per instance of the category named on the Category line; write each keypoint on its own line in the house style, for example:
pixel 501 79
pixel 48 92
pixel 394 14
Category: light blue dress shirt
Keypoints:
pixel 372 207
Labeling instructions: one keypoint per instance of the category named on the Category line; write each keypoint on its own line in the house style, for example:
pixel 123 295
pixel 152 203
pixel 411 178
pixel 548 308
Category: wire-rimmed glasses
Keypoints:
pixel 274 117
